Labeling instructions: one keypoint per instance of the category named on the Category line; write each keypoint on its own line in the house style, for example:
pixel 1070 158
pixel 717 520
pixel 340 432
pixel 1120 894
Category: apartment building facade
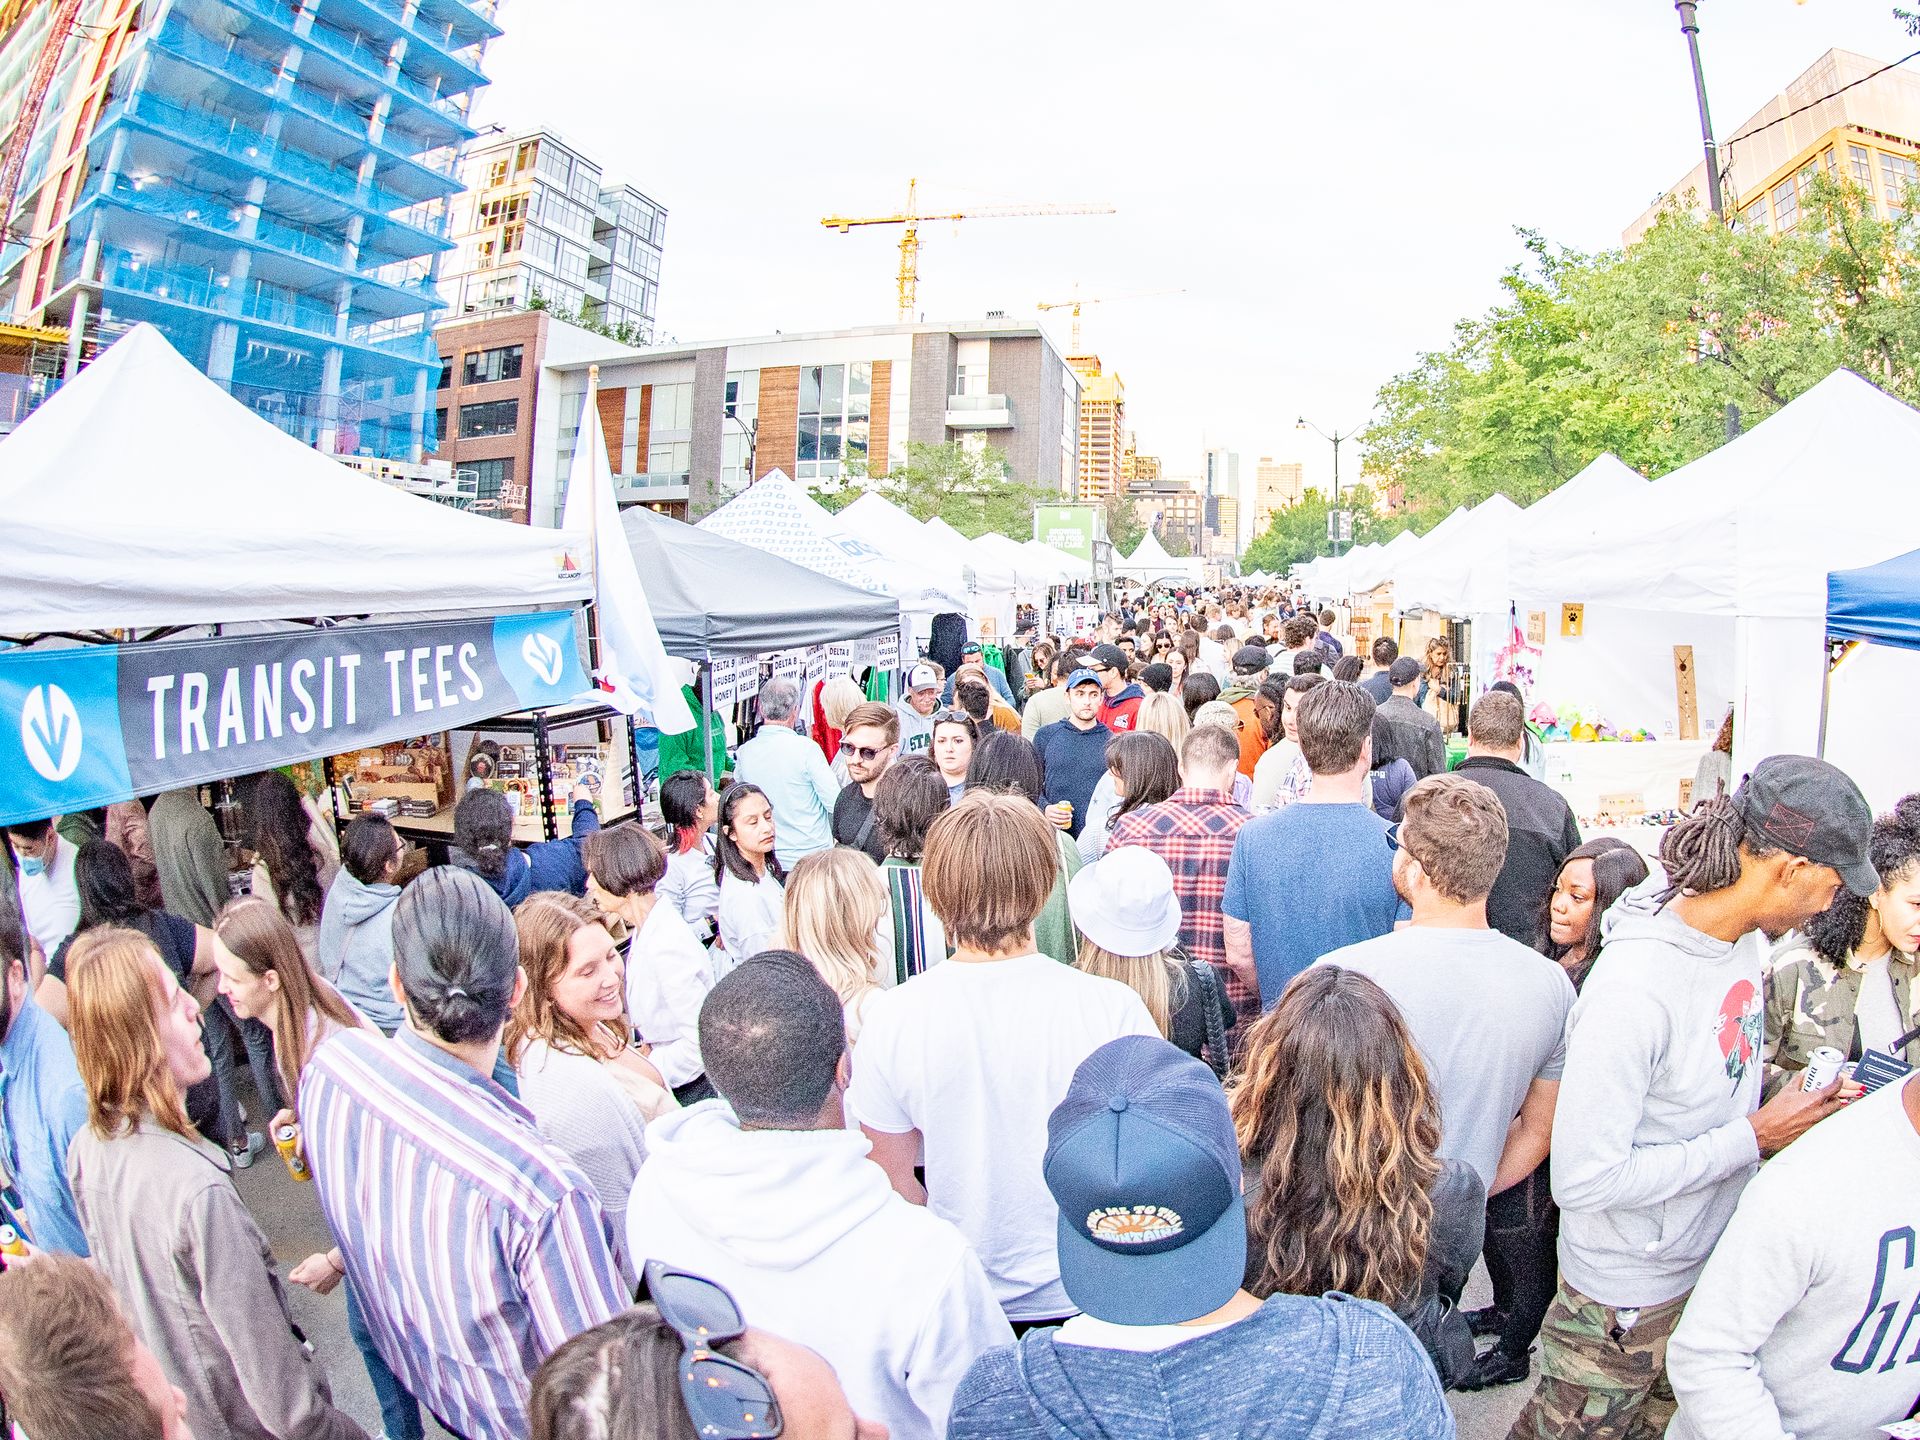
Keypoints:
pixel 266 181
pixel 1103 428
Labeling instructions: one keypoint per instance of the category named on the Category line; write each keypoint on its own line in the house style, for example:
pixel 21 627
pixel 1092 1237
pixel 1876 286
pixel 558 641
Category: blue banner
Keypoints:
pixel 84 727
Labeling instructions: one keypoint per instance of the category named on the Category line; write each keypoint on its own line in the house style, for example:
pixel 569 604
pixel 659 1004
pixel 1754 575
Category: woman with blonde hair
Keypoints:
pixel 160 1212
pixel 836 916
pixel 1441 694
pixel 265 976
pixel 590 1090
pixel 1338 1126
pixel 832 703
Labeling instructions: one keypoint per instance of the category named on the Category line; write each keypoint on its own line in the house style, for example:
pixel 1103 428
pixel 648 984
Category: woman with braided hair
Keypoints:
pixel 1659 1124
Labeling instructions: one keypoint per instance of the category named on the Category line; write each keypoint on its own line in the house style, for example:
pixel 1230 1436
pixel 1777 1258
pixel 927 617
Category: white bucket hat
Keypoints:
pixel 1124 903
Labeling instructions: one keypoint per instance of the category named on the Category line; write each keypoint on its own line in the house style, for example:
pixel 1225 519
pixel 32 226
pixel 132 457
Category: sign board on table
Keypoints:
pixel 1686 697
pixel 1536 628
pixel 1623 804
pixel 747 677
pixel 1573 619
pixel 786 665
pixel 84 727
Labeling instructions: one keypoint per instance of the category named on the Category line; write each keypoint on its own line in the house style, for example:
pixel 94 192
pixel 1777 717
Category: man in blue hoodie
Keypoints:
pixel 1073 752
pixel 1141 1160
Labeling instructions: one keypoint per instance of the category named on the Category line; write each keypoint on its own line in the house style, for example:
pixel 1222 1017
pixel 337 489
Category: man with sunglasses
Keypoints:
pixel 868 743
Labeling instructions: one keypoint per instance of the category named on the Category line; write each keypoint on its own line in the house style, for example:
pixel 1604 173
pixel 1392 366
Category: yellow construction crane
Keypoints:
pixel 1075 304
pixel 911 218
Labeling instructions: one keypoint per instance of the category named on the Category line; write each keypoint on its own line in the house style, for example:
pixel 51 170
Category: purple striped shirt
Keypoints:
pixel 474 1247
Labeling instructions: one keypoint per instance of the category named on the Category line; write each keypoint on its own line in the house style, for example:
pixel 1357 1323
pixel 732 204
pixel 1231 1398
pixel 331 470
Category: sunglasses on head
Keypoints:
pixel 866 753
pixel 725 1399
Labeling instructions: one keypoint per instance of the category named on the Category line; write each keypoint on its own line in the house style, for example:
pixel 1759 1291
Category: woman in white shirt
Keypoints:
pixel 590 1089
pixel 837 916
pixel 668 974
pixel 688 804
pixel 752 884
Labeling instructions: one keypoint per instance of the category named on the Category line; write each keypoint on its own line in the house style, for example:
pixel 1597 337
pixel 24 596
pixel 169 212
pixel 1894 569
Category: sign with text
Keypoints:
pixel 1072 529
pixel 887 650
pixel 85 727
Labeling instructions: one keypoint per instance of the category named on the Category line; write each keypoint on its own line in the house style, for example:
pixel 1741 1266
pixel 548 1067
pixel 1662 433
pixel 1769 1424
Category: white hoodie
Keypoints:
pixel 817 1247
pixel 1805 1322
pixel 1651 1145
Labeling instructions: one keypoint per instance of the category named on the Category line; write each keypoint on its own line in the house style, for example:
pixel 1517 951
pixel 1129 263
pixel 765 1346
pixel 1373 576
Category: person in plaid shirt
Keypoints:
pixel 1193 830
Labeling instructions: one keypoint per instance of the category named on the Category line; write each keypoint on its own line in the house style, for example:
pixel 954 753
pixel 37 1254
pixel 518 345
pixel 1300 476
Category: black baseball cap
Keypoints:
pixel 1111 656
pixel 1812 809
pixel 1403 671
pixel 1250 660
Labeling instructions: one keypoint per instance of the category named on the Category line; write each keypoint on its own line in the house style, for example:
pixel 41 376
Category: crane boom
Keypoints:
pixel 13 160
pixel 1079 300
pixel 911 219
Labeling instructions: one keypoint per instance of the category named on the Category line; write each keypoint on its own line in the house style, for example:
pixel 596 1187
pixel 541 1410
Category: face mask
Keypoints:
pixel 32 865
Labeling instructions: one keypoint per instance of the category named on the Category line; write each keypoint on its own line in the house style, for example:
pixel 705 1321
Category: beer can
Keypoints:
pixel 1822 1067
pixel 287 1141
pixel 12 1244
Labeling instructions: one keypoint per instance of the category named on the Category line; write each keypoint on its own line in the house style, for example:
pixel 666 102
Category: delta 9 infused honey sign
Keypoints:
pixel 84 727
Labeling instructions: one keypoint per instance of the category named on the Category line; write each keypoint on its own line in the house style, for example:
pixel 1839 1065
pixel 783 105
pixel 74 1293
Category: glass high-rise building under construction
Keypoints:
pixel 267 181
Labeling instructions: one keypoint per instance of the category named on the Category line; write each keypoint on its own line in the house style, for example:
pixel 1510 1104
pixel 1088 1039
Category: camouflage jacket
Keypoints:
pixel 1810 1003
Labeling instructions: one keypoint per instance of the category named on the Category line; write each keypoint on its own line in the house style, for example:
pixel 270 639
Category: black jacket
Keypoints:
pixel 1541 833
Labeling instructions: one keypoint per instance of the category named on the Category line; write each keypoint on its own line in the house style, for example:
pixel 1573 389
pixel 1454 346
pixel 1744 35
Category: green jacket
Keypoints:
pixel 1053 932
pixel 1810 1003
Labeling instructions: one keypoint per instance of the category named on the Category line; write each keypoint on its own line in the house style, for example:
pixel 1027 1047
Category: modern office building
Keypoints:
pixel 689 426
pixel 1135 466
pixel 1222 525
pixel 266 181
pixel 1276 485
pixel 1103 428
pixel 1175 510
pixel 1840 118
pixel 1221 482
pixel 539 225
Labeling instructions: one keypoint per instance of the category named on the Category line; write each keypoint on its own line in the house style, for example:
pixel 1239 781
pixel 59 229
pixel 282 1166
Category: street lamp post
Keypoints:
pixel 1336 437
pixel 1690 27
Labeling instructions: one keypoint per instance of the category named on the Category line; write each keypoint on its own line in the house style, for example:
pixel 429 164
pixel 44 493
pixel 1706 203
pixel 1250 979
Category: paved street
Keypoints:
pixel 290 1214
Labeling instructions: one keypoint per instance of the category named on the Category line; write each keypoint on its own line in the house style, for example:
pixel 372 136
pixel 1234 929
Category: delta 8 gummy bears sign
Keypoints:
pixel 86 726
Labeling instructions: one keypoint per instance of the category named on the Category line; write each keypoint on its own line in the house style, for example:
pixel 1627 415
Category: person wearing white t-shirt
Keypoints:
pixel 43 876
pixel 752 882
pixel 964 1063
pixel 1845 979
pixel 668 974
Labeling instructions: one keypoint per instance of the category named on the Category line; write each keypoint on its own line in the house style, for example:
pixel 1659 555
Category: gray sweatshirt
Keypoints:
pixel 1651 1145
pixel 1804 1323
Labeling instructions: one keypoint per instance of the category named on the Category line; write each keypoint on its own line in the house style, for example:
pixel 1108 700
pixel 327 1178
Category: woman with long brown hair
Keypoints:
pixel 1440 696
pixel 1338 1125
pixel 160 1212
pixel 590 1089
pixel 265 977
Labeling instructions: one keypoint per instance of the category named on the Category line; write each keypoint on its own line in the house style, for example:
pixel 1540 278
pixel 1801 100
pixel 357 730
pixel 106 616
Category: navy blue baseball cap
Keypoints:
pixel 1142 1161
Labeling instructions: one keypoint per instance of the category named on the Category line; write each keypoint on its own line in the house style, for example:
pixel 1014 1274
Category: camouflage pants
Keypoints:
pixel 1603 1372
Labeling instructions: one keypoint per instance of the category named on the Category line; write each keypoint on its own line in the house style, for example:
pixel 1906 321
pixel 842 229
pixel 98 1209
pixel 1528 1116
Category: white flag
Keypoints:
pixel 634 672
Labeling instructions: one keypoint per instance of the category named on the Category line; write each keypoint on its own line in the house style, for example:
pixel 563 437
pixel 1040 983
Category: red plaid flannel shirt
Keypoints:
pixel 1193 831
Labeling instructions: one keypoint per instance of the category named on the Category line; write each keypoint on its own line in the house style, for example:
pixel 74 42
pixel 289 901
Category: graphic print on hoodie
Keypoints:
pixel 816 1246
pixel 1651 1145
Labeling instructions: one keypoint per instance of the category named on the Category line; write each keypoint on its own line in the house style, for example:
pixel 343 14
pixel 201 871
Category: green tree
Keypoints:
pixel 1176 540
pixel 972 491
pixel 1124 530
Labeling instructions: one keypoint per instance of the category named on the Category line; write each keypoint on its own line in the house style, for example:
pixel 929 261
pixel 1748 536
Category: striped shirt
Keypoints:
pixel 474 1246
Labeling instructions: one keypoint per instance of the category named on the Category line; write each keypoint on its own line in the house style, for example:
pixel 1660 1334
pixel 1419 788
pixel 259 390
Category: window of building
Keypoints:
pixel 492 417
pixel 836 405
pixel 970 367
pixel 1898 175
pixel 1862 164
pixel 544 246
pixel 1786 205
pixel 482 367
pixel 673 457
pixel 1826 158
pixel 497 212
pixel 440 423
pixel 525 156
pixel 497 172
pixel 672 407
pixel 572 264
pixel 446 374
pixel 492 478
pixel 553 163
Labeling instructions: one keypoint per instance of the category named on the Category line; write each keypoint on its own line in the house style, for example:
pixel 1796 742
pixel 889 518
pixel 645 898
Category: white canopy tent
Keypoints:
pixel 1376 568
pixel 898 536
pixel 1150 562
pixel 1441 575
pixel 143 495
pixel 1748 534
pixel 1032 574
pixel 1065 568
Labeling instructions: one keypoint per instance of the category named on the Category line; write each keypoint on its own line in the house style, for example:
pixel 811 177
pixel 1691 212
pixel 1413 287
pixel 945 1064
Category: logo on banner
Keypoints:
pixel 543 656
pixel 50 732
pixel 565 567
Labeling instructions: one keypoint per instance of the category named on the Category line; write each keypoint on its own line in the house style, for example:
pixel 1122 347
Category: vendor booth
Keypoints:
pixel 1735 550
pixel 309 609
pixel 993 579
pixel 897 535
pixel 1867 729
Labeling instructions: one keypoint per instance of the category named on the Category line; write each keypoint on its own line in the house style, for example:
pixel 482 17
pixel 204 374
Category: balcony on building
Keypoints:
pixel 979 412
pixel 653 487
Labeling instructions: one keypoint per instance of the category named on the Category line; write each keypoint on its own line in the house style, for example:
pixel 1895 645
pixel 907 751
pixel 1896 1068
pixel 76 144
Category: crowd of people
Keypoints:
pixel 1144 1037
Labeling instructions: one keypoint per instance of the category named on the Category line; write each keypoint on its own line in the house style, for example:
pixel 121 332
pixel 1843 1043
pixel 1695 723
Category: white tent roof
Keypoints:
pixel 1150 561
pixel 142 494
pixel 1030 571
pixel 990 572
pixel 1376 566
pixel 1606 480
pixel 898 536
pixel 777 516
pixel 1828 482
pixel 1064 567
pixel 1449 573
pixel 1333 579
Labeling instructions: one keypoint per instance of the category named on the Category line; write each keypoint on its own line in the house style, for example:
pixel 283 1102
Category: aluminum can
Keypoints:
pixel 1822 1067
pixel 287 1141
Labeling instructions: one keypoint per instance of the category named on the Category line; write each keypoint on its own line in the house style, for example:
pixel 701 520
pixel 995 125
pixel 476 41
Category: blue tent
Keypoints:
pixel 1880 602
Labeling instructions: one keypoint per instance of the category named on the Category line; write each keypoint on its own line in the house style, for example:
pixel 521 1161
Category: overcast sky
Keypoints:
pixel 1330 185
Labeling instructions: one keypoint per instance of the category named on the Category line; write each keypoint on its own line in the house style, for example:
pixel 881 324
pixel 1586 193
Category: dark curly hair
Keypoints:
pixel 1836 932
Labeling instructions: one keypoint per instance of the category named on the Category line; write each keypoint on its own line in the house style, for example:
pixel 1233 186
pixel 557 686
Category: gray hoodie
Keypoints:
pixel 1651 1145
pixel 356 947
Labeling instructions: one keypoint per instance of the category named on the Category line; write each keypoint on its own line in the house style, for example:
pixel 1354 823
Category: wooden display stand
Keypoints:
pixel 1686 698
